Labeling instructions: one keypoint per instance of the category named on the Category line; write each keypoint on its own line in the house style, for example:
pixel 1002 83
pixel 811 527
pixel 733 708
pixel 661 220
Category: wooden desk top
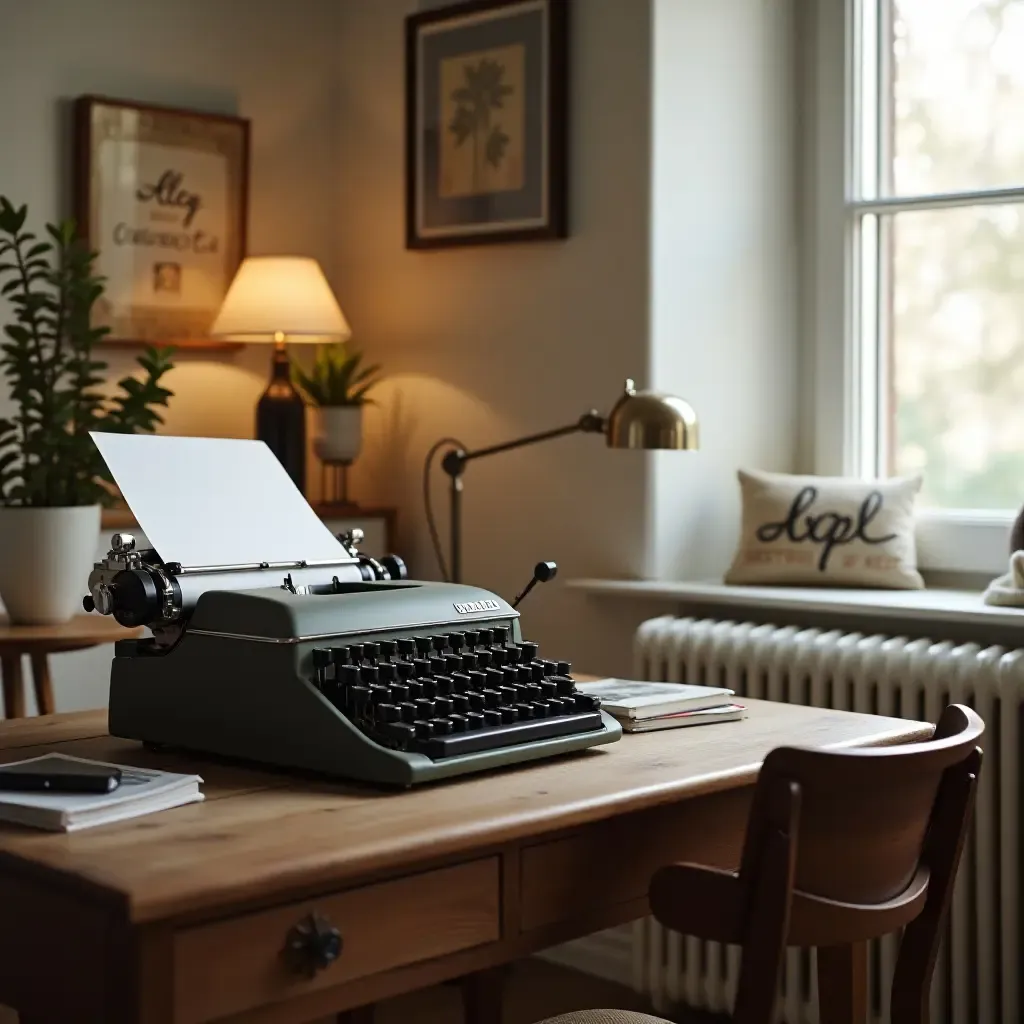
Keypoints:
pixel 79 631
pixel 262 834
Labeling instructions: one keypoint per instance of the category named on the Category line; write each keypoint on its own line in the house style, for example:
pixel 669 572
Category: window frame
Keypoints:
pixel 840 372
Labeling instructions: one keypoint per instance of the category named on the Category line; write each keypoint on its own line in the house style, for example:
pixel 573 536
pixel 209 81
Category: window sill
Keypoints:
pixel 959 607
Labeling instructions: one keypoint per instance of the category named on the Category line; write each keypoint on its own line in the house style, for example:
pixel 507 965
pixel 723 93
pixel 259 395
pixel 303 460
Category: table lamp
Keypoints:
pixel 281 299
pixel 643 420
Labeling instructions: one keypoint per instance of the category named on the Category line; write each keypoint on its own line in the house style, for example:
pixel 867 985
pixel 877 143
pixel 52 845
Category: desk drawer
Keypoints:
pixel 238 964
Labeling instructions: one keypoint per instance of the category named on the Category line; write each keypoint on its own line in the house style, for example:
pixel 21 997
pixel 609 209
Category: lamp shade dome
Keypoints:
pixel 651 420
pixel 283 298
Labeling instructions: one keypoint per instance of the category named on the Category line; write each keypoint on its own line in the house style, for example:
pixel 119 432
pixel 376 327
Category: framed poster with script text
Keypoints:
pixel 162 196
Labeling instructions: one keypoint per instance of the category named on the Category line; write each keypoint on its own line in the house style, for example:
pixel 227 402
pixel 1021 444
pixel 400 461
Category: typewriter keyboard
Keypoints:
pixel 453 693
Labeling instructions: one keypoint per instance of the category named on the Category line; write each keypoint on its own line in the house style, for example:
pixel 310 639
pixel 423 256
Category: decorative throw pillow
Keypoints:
pixel 827 531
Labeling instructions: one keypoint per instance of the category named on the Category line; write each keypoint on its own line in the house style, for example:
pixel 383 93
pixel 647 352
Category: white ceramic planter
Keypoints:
pixel 46 555
pixel 339 436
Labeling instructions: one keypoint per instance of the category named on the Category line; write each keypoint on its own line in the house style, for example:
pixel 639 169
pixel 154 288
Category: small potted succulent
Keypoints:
pixel 338 385
pixel 52 478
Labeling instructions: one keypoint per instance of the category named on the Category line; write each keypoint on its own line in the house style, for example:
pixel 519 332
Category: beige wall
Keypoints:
pixel 270 61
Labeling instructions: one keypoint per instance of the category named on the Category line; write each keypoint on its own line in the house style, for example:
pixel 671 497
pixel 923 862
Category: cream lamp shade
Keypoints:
pixel 280 298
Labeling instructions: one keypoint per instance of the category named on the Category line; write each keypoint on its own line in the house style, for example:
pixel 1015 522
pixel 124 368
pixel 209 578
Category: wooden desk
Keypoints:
pixel 181 917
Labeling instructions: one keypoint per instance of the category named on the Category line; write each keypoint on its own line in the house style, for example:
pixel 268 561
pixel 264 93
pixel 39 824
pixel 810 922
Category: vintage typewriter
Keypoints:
pixel 340 667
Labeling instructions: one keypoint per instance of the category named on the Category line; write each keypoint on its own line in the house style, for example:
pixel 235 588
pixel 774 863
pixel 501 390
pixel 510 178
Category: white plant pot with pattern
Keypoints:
pixel 46 555
pixel 339 435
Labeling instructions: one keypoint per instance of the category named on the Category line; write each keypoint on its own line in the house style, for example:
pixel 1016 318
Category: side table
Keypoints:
pixel 38 642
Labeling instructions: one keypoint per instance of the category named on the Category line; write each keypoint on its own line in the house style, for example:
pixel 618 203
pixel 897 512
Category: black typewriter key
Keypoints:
pixel 475 720
pixel 445 685
pixel 429 687
pixel 421 666
pixel 339 655
pixel 456 641
pixel 408 712
pixel 460 702
pixel 355 653
pixel 511 655
pixel 368 673
pixel 388 649
pixel 386 672
pixel 472 638
pixel 499 635
pixel 387 713
pixel 587 702
pixel 321 659
pixel 437 665
pixel 422 645
pixel 359 696
pixel 550 668
pixel 459 723
pixel 380 694
pixel 522 694
pixel 565 685
pixel 424 730
pixel 405 669
pixel 509 714
pixel 483 659
pixel 536 670
pixel 406 646
pixel 510 674
pixel 399 693
pixel 442 727
pixel 415 688
pixel 400 733
pixel 548 688
pixel 499 657
pixel 371 651
pixel 541 710
pixel 534 692
pixel 485 637
pixel 477 680
pixel 476 701
pixel 443 706
pixel 452 663
pixel 348 675
pixel 525 711
pixel 508 694
pixel 425 707
pixel 469 661
pixel 528 651
pixel 564 668
pixel 440 642
pixel 492 698
pixel 492 717
pixel 495 677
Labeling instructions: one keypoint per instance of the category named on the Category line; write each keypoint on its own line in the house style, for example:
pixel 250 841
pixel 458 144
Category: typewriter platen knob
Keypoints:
pixel 312 945
pixel 396 568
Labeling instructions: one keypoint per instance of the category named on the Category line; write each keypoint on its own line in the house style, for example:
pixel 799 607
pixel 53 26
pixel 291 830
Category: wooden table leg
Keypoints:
pixel 843 984
pixel 483 995
pixel 14 691
pixel 42 684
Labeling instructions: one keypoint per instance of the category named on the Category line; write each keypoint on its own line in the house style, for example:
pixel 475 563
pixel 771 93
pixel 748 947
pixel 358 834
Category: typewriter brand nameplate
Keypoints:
pixel 215 501
pixel 475 607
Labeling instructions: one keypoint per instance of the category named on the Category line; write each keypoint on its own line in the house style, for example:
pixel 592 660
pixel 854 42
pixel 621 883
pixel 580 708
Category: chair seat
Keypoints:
pixel 605 1017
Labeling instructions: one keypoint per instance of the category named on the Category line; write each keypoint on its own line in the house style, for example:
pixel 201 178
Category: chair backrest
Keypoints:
pixel 864 814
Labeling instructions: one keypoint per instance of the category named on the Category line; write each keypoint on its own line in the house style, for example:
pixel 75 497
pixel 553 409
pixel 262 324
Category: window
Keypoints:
pixel 935 222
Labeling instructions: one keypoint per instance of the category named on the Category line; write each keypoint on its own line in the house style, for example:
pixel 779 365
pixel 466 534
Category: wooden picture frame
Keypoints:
pixel 162 195
pixel 487 123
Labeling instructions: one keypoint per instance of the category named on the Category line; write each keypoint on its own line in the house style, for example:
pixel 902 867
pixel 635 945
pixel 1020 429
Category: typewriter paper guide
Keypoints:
pixel 215 500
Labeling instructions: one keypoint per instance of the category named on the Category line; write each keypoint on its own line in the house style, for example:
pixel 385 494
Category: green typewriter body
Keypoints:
pixel 386 681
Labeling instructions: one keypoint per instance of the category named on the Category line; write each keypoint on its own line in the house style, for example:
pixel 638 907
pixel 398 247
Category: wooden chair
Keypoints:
pixel 840 848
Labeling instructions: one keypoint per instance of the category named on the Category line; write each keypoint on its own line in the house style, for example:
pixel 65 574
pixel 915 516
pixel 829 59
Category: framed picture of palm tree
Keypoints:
pixel 486 123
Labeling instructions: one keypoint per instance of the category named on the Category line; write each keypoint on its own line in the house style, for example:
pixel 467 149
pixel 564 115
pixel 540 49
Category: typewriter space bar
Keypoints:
pixel 509 735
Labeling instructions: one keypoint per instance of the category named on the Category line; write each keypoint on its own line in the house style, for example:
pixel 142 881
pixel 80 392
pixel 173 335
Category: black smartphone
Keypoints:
pixel 58 775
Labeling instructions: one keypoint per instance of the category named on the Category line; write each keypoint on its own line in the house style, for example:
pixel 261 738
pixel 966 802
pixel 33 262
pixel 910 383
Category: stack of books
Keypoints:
pixel 644 707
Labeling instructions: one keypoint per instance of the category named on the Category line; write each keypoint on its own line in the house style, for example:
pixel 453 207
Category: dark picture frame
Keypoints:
pixel 161 194
pixel 487 123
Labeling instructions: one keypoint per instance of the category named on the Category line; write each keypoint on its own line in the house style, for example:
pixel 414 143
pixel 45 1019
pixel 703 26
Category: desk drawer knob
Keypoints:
pixel 312 944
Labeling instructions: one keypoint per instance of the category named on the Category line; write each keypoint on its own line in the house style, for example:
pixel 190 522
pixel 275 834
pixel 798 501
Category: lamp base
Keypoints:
pixel 281 419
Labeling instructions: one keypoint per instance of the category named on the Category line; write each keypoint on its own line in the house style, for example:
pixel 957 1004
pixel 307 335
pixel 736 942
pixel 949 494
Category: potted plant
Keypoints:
pixel 52 478
pixel 338 386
